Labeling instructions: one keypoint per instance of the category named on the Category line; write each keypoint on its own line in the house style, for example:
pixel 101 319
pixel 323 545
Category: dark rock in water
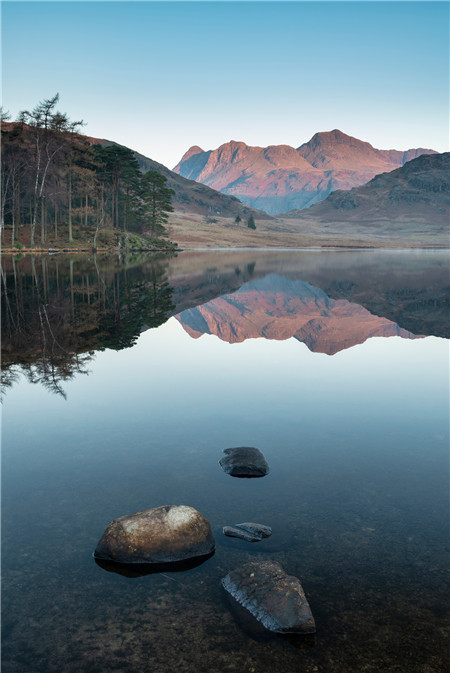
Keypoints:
pixel 165 534
pixel 233 531
pixel 258 529
pixel 252 532
pixel 244 462
pixel 275 599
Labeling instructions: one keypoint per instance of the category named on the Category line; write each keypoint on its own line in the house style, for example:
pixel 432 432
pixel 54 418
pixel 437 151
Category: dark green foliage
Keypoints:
pixel 119 179
pixel 251 222
pixel 156 202
pixel 238 219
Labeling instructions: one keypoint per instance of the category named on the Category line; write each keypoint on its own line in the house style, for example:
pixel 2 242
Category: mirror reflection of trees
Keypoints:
pixel 57 312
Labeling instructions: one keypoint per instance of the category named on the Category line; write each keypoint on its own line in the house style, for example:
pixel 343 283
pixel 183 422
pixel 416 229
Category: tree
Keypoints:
pixel 5 115
pixel 49 129
pixel 251 222
pixel 157 201
pixel 238 219
pixel 118 172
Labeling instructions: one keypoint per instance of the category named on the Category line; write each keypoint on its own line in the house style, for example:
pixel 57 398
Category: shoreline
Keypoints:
pixel 312 248
pixel 90 251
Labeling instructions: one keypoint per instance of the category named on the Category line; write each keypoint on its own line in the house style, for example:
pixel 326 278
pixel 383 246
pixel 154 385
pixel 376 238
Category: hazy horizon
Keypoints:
pixel 204 73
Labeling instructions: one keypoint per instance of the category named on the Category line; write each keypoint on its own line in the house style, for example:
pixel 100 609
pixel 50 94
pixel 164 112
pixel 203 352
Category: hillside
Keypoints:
pixel 279 178
pixel 62 189
pixel 192 197
pixel 408 201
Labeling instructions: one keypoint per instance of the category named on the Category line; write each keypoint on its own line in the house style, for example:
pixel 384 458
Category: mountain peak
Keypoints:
pixel 329 139
pixel 332 136
pixel 195 149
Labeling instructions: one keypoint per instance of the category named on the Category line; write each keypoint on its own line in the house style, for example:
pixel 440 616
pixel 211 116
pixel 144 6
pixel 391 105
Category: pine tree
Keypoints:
pixel 157 202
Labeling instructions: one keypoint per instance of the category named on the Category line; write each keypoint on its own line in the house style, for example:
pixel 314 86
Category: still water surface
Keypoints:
pixel 125 380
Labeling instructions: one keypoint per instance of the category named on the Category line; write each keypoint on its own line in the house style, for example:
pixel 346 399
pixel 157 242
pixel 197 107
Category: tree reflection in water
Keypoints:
pixel 58 311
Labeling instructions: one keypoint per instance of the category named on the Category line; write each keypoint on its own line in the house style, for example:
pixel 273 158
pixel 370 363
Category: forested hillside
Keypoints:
pixel 57 188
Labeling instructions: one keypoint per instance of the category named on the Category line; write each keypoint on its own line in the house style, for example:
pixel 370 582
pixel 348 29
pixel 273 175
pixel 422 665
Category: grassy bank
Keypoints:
pixel 108 240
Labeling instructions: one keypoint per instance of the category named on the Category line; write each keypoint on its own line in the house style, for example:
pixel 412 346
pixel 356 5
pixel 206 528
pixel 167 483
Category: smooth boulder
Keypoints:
pixel 167 534
pixel 245 462
pixel 252 532
pixel 275 599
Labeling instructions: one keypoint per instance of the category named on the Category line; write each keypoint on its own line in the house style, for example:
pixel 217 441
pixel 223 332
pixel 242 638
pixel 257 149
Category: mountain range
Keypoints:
pixel 275 307
pixel 280 178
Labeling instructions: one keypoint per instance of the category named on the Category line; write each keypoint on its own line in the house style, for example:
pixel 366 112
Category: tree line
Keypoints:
pixel 58 185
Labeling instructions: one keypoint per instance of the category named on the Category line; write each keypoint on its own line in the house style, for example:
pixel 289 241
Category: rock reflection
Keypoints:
pixel 134 570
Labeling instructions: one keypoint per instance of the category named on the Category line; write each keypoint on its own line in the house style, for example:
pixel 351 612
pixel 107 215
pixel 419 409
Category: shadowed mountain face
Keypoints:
pixel 278 308
pixel 279 178
pixel 419 191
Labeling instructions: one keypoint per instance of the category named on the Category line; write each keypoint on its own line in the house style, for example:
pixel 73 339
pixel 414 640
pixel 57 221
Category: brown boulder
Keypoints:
pixel 165 534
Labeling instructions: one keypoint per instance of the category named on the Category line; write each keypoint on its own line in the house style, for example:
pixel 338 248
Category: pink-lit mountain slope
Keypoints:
pixel 279 178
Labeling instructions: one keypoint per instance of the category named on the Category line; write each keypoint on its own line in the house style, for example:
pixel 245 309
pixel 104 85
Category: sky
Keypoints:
pixel 160 77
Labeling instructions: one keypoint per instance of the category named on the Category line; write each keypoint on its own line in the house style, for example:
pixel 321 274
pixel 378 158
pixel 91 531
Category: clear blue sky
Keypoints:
pixel 162 76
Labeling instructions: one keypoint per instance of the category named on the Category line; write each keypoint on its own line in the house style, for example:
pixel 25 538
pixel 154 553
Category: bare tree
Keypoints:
pixel 50 134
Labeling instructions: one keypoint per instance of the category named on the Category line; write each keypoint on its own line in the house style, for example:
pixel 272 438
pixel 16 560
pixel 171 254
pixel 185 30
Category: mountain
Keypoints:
pixel 417 193
pixel 279 178
pixel 276 307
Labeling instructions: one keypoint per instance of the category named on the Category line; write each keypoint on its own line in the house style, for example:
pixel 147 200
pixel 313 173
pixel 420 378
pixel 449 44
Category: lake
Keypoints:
pixel 125 379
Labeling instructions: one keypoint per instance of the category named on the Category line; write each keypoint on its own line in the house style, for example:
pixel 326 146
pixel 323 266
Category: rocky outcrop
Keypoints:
pixel 167 534
pixel 275 599
pixel 280 178
pixel 244 462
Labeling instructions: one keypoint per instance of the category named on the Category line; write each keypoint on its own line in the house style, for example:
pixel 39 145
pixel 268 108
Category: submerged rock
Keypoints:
pixel 244 461
pixel 275 599
pixel 165 534
pixel 252 532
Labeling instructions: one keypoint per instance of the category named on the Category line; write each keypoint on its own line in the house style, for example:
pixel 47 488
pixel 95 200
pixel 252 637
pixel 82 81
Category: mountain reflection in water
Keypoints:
pixel 57 311
pixel 279 308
